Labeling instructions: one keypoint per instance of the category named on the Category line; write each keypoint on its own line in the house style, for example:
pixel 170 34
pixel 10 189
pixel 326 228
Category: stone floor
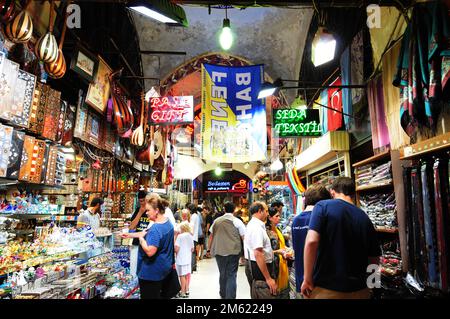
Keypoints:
pixel 205 281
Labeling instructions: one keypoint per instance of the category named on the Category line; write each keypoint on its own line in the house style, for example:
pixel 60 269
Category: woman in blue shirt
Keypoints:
pixel 156 252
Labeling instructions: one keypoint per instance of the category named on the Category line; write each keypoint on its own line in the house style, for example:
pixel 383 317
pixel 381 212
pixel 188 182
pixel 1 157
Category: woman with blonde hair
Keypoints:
pixel 184 246
pixel 156 252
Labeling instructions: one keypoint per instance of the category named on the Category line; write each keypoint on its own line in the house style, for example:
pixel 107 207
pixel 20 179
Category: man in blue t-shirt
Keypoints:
pixel 340 244
pixel 300 227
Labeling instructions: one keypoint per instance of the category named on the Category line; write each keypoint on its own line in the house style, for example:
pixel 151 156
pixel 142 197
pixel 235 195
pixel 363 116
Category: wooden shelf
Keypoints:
pixel 435 144
pixel 386 230
pixel 373 186
pixel 374 158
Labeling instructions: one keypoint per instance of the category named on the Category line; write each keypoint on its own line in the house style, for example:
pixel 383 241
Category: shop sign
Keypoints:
pixel 296 123
pixel 227 186
pixel 171 110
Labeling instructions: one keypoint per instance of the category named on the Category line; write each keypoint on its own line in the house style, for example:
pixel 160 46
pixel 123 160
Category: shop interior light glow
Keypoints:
pixel 218 171
pixel 276 165
pixel 268 89
pixel 226 36
pixel 323 47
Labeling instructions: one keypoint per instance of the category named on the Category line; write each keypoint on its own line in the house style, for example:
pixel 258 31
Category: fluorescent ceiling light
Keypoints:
pixel 160 10
pixel 153 14
pixel 268 89
pixel 323 47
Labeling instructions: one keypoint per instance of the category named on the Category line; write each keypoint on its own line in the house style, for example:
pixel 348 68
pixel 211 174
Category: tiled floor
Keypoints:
pixel 205 281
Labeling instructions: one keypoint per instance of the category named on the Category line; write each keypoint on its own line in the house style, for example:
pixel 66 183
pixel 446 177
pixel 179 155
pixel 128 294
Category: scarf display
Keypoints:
pixel 423 67
pixel 380 131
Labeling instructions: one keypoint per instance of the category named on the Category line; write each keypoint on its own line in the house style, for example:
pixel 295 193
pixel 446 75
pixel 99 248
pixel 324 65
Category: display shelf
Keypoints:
pixel 25 216
pixel 386 230
pixel 375 158
pixel 427 147
pixel 131 292
pixel 24 231
pixel 373 186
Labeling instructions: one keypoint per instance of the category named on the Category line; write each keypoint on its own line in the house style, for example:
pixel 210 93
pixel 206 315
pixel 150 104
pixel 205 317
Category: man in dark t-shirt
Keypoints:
pixel 300 226
pixel 340 244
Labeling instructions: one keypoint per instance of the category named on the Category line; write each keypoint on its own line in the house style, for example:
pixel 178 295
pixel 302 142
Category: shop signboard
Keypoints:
pixel 240 186
pixel 296 123
pixel 171 110
pixel 233 118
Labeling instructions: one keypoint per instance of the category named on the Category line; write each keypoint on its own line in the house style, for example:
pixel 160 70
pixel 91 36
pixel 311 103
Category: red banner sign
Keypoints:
pixel 171 110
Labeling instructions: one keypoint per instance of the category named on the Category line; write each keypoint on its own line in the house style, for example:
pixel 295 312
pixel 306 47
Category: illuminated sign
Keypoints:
pixel 171 110
pixel 296 123
pixel 227 186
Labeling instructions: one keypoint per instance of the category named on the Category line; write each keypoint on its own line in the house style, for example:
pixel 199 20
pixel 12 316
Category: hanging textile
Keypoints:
pixel 346 80
pixel 398 137
pixel 335 102
pixel 380 132
pixel 423 67
pixel 323 99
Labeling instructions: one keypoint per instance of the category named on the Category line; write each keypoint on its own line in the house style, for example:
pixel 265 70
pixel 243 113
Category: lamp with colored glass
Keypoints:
pixel 218 171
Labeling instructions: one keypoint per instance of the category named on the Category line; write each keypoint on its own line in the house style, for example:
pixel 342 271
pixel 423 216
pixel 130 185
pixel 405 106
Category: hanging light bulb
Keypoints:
pixel 246 165
pixel 226 36
pixel 276 165
pixel 218 171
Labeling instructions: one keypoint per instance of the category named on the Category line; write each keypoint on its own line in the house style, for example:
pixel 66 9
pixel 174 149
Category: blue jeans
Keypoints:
pixel 228 268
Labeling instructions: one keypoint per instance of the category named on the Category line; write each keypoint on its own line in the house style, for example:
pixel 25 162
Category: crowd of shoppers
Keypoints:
pixel 333 242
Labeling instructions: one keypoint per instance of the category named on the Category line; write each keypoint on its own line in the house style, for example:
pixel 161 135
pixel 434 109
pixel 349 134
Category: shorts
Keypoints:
pixel 201 241
pixel 183 270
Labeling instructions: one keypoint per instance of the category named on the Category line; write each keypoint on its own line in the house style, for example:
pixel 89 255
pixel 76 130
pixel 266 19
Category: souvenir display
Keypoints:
pixel 98 92
pixel 8 78
pixel 84 63
pixel 15 156
pixel 46 47
pixel 37 161
pixel 51 166
pixel 20 29
pixel 37 116
pixel 69 125
pixel 61 119
pixel 27 158
pixel 52 110
pixel 81 122
pixel 45 163
pixel 6 135
pixel 123 116
pixel 23 98
pixel 60 168
pixel 57 69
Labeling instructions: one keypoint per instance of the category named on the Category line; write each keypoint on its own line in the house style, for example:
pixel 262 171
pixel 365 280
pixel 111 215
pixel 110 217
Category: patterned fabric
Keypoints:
pixel 422 65
pixel 346 80
pixel 380 132
pixel 15 155
pixel 6 134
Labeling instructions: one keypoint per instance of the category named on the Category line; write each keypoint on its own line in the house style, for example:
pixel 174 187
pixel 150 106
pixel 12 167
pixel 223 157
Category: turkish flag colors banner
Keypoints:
pixel 335 102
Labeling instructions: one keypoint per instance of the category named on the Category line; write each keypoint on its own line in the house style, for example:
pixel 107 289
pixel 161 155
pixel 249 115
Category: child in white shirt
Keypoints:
pixel 184 247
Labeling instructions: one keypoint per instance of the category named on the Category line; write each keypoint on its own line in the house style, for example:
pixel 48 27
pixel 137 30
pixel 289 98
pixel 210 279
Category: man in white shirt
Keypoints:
pixel 168 212
pixel 225 244
pixel 91 216
pixel 259 254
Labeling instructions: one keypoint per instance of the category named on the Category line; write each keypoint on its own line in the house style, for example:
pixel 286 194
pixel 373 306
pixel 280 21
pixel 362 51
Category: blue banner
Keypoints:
pixel 233 119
